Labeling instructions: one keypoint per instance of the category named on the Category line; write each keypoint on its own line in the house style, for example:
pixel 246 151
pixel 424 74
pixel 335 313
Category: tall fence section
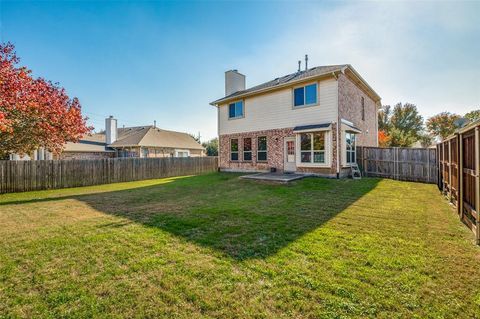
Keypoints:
pixel 20 176
pixel 406 164
pixel 459 169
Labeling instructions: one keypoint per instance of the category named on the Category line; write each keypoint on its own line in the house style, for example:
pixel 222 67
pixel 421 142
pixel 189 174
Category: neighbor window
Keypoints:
pixel 363 109
pixel 312 147
pixel 262 148
pixel 247 149
pixel 305 95
pixel 182 153
pixel 234 149
pixel 235 110
pixel 350 143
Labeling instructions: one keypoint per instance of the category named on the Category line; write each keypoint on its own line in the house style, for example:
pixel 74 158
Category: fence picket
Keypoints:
pixel 20 176
pixel 408 164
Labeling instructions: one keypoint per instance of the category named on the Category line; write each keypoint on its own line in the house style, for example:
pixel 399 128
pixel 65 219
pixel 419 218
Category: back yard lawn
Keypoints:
pixel 218 246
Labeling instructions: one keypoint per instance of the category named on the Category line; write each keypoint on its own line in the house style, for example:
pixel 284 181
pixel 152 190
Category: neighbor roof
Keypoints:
pixel 147 136
pixel 154 137
pixel 293 78
pixel 89 143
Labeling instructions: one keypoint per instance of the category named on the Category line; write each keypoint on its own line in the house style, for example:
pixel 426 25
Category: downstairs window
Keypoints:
pixel 234 149
pixel 312 148
pixel 350 148
pixel 262 149
pixel 247 149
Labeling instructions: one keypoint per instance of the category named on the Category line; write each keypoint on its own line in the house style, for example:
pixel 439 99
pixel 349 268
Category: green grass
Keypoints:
pixel 215 246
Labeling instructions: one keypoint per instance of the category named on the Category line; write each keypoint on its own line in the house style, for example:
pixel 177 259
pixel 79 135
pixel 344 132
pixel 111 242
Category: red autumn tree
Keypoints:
pixel 383 138
pixel 34 112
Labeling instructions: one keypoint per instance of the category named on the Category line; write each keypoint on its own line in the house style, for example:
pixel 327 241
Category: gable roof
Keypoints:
pixel 154 137
pixel 89 143
pixel 147 136
pixel 292 78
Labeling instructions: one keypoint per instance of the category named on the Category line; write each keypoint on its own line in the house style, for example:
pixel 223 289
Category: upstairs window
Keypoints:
pixel 305 95
pixel 350 143
pixel 262 149
pixel 247 149
pixel 312 148
pixel 234 149
pixel 235 110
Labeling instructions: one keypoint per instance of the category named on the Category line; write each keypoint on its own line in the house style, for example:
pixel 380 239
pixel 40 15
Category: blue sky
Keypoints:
pixel 165 61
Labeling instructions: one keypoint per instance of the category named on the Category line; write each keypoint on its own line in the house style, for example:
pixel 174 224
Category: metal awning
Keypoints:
pixel 312 127
pixel 350 128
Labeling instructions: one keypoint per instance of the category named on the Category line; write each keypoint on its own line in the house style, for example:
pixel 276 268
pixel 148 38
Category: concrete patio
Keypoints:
pixel 276 177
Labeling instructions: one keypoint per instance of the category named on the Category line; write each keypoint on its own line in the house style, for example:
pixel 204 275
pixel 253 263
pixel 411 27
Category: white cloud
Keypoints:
pixel 409 52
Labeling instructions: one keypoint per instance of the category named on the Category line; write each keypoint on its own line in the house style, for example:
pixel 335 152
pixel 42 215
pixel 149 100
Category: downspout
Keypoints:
pixel 338 128
pixel 218 136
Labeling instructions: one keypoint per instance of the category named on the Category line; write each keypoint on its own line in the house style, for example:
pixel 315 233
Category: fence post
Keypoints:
pixel 443 166
pixel 364 160
pixel 477 182
pixel 450 170
pixel 460 175
pixel 428 165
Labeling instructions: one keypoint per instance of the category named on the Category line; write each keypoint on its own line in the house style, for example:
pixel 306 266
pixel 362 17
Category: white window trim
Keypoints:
pixel 182 151
pixel 305 96
pixel 344 147
pixel 251 149
pixel 237 151
pixel 328 151
pixel 258 150
pixel 236 117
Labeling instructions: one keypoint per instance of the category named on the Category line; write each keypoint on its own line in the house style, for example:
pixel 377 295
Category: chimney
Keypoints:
pixel 306 62
pixel 234 82
pixel 110 130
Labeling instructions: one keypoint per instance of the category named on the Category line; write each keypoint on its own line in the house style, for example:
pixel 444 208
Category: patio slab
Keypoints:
pixel 276 177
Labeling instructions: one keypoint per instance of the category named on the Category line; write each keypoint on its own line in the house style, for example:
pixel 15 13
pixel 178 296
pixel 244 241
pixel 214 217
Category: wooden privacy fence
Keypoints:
pixel 459 167
pixel 20 176
pixel 406 164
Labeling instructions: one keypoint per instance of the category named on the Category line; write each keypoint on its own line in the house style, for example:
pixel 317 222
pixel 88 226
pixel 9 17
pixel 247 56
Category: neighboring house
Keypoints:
pixel 308 121
pixel 140 141
pixel 39 154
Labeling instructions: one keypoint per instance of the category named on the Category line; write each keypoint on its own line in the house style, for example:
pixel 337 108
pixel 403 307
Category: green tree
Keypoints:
pixel 442 125
pixel 195 137
pixel 384 116
pixel 211 147
pixel 403 126
pixel 426 139
pixel 473 115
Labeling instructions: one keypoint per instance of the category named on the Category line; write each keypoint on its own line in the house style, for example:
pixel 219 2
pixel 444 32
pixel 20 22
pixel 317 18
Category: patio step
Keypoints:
pixel 356 174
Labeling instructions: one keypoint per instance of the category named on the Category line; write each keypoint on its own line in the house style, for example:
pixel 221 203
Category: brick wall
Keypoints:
pixel 275 152
pixel 350 108
pixel 85 155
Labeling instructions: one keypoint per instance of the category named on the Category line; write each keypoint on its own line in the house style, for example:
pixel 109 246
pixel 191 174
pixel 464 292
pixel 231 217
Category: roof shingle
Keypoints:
pixel 297 76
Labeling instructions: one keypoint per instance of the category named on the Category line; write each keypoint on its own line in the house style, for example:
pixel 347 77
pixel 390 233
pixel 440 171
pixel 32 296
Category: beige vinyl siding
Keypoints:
pixel 275 110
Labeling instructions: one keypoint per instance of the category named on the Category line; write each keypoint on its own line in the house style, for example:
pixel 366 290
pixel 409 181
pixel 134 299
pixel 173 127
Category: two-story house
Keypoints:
pixel 308 121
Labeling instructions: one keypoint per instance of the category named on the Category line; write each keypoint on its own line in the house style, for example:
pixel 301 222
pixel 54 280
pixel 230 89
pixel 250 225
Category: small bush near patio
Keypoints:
pixel 218 246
